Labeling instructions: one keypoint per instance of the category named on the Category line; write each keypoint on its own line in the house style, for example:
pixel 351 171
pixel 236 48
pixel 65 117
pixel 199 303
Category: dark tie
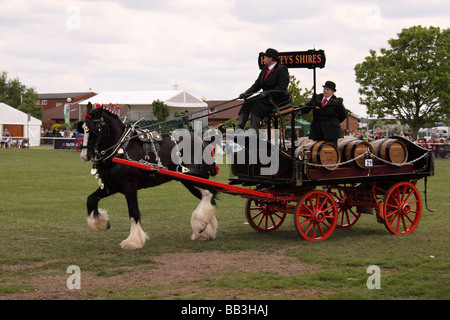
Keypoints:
pixel 324 102
pixel 267 73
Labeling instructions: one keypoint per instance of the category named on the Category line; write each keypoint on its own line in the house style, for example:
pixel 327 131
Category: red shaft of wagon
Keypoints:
pixel 225 186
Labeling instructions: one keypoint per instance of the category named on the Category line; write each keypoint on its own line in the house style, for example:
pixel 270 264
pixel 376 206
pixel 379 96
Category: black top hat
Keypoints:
pixel 330 84
pixel 271 53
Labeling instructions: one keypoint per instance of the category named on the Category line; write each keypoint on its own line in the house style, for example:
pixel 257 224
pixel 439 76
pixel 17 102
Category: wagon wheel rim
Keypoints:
pixel 263 216
pixel 316 216
pixel 347 216
pixel 78 143
pixel 402 208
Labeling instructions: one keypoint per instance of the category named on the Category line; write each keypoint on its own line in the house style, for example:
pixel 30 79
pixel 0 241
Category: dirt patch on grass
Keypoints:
pixel 180 269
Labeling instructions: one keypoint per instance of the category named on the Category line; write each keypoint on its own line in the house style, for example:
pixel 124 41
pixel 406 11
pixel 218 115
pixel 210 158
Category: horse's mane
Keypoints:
pixel 104 109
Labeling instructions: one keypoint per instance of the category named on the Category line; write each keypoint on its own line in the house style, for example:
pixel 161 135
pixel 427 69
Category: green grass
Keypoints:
pixel 43 230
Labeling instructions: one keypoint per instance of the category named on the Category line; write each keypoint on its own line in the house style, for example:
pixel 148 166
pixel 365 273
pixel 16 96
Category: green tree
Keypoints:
pixel 17 95
pixel 29 106
pixel 299 95
pixel 160 110
pixel 409 80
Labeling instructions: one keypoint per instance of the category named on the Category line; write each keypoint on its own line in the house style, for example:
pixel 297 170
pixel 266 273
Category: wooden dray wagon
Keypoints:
pixel 323 186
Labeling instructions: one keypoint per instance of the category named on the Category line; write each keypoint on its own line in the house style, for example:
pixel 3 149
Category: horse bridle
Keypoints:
pixel 102 155
pixel 86 130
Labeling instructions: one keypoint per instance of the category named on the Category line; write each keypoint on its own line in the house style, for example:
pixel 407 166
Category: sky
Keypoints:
pixel 208 48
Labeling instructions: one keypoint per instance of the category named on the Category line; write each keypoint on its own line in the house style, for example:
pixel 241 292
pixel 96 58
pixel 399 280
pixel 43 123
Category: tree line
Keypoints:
pixel 408 81
pixel 17 95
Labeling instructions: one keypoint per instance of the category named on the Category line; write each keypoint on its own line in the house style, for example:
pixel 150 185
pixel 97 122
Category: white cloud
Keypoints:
pixel 208 47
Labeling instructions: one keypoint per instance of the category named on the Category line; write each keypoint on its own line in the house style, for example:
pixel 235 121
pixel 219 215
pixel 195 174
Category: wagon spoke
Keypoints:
pixel 395 197
pixel 314 230
pixel 325 200
pixel 271 219
pixel 325 224
pixel 304 222
pixel 404 223
pixel 402 194
pixel 389 215
pixel 354 213
pixel 409 218
pixel 411 192
pixel 306 214
pixel 344 214
pixel 328 208
pixel 261 220
pixel 257 214
pixel 391 205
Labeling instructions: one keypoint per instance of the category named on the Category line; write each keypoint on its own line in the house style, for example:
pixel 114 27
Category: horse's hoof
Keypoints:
pixel 99 222
pixel 130 245
pixel 200 237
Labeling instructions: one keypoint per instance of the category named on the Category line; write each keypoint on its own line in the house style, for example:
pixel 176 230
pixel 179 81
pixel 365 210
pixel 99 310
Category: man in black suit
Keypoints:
pixel 274 76
pixel 328 113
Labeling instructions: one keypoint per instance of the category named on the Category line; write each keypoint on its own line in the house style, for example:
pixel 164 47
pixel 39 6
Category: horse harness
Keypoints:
pixel 150 143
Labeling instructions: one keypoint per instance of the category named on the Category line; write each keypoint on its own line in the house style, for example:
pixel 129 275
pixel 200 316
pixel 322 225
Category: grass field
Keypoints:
pixel 43 231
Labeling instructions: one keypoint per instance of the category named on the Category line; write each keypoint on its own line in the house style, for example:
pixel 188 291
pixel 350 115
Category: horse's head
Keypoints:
pixel 102 128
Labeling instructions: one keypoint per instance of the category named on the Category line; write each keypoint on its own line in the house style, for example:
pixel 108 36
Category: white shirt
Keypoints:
pixel 272 66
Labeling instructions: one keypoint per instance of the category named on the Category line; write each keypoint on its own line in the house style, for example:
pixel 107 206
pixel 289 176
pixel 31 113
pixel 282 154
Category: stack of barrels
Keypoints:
pixel 328 156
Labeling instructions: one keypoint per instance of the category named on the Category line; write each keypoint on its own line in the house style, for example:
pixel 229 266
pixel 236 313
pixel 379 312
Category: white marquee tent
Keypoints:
pixel 19 124
pixel 139 103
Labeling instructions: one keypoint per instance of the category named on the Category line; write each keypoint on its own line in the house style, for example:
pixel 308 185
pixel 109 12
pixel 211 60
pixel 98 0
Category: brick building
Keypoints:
pixel 53 105
pixel 228 110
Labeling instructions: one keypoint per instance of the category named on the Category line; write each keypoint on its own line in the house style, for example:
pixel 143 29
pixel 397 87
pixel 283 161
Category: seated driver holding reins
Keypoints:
pixel 274 76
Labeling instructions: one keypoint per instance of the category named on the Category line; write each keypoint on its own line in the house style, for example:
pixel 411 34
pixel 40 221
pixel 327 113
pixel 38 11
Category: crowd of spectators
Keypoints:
pixel 67 133
pixel 9 141
pixel 437 142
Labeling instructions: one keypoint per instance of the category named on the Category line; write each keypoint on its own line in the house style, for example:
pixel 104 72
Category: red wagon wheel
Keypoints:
pixel 263 216
pixel 402 208
pixel 316 216
pixel 347 216
pixel 78 142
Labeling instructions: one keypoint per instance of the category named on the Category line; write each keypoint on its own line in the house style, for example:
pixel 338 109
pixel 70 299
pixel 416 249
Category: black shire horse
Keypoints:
pixel 105 137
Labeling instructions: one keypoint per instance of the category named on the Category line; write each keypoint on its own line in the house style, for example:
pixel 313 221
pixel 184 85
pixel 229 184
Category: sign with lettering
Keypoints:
pixel 63 144
pixel 299 59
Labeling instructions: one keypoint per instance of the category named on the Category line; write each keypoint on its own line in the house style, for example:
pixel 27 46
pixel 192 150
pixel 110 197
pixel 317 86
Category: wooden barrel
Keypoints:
pixel 391 150
pixel 352 148
pixel 302 141
pixel 321 153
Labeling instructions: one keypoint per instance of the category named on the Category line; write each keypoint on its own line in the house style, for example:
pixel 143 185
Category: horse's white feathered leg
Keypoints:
pixel 203 221
pixel 99 222
pixel 137 237
pixel 83 154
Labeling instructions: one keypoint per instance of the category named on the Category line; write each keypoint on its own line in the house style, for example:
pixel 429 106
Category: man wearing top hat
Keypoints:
pixel 328 113
pixel 273 76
